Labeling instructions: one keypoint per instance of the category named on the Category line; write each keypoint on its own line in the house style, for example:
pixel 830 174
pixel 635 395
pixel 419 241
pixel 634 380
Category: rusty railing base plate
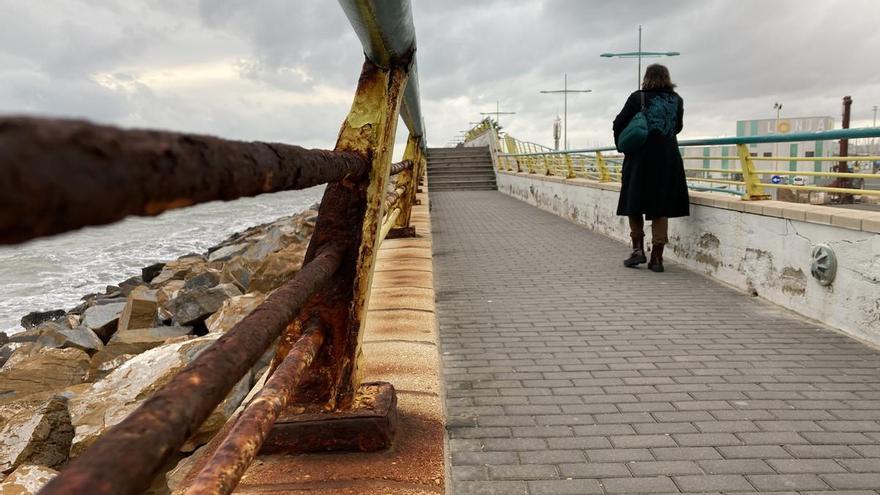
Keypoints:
pixel 367 427
pixel 401 233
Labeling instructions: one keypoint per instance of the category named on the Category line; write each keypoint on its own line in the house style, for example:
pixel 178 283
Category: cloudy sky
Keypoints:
pixel 285 70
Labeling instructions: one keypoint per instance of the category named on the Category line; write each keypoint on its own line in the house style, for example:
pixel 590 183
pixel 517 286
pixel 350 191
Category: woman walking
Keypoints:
pixel 654 185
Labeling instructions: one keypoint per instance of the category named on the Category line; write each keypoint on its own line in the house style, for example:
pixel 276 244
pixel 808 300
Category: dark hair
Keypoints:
pixel 657 77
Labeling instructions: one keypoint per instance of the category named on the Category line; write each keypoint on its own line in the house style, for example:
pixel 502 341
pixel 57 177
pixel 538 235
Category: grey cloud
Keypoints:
pixel 738 57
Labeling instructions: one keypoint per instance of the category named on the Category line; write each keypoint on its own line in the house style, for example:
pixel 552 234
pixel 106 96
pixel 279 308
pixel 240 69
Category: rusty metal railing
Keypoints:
pixel 60 175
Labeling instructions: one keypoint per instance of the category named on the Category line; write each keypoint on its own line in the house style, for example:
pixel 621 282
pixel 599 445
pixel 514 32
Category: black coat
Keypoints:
pixel 653 177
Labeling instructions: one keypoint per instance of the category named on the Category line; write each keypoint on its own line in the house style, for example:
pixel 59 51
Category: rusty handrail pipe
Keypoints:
pixel 231 459
pixel 60 175
pixel 400 166
pixel 162 424
pixel 393 197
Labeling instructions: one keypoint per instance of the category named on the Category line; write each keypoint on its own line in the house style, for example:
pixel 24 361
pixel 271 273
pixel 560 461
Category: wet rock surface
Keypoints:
pixel 76 338
pixel 72 375
pixel 27 480
pixel 45 369
pixel 41 436
pixel 103 319
pixel 35 318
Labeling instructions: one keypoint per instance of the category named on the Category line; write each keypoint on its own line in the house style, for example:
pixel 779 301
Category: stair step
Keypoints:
pixel 453 171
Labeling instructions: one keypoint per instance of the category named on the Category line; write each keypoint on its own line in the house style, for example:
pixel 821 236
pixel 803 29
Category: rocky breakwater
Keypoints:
pixel 71 375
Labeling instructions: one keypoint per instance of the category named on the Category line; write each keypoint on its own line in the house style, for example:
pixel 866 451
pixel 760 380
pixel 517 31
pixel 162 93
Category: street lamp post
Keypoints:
pixel 639 55
pixel 497 113
pixel 876 147
pixel 565 91
pixel 778 107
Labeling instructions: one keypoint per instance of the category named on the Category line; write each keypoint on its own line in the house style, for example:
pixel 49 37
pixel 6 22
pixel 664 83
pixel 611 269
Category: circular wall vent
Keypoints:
pixel 824 265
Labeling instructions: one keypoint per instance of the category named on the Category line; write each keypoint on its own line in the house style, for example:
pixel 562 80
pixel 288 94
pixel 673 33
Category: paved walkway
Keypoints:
pixel 567 373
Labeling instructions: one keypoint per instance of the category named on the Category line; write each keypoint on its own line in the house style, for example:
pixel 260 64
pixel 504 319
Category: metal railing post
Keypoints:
pixel 406 179
pixel 603 169
pixel 569 167
pixel 350 210
pixel 753 188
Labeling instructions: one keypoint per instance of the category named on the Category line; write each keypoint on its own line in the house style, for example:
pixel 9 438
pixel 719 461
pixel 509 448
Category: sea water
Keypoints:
pixel 54 273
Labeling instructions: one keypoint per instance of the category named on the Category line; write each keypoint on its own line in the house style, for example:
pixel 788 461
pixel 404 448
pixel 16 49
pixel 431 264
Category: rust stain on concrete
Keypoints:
pixel 401 347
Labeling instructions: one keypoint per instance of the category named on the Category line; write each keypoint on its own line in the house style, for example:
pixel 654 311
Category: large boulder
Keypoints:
pixel 141 309
pixel 44 370
pixel 178 270
pixel 34 319
pixel 77 338
pixel 147 338
pixel 40 436
pixel 16 352
pixel 148 273
pixel 238 272
pixel 193 306
pixel 233 311
pixel 126 286
pixel 204 280
pixel 278 268
pixel 165 294
pixel 103 319
pixel 220 415
pixel 28 479
pixel 110 400
pixel 126 345
pixel 226 252
pixel 32 334
pixel 7 350
pixel 272 241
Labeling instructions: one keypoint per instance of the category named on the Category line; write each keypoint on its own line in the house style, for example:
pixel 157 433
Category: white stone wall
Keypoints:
pixel 767 255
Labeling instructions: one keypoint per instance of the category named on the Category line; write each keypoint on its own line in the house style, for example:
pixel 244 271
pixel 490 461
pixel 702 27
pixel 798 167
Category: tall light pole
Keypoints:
pixel 497 113
pixel 778 107
pixel 876 141
pixel 565 91
pixel 639 55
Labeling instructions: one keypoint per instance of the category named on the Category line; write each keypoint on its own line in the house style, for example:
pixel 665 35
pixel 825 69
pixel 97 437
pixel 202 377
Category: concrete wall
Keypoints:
pixel 761 247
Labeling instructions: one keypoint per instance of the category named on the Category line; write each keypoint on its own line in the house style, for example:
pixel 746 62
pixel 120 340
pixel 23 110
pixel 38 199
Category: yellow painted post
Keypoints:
pixel 351 209
pixel 531 164
pixel 570 167
pixel 548 161
pixel 603 170
pixel 754 189
pixel 407 179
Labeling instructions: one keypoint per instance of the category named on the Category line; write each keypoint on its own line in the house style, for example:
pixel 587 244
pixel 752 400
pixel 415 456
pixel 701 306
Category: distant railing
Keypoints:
pixel 605 164
pixel 60 175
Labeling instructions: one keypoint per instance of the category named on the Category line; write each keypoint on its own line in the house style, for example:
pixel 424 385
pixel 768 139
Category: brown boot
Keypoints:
pixel 637 257
pixel 656 263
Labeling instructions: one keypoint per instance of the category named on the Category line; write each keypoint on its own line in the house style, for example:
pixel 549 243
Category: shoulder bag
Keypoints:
pixel 634 135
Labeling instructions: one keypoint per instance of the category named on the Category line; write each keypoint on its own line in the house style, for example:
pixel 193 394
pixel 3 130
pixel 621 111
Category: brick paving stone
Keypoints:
pixel 523 472
pixel 565 487
pixel 847 481
pixel 780 482
pixel 736 466
pixel 594 470
pixel 491 488
pixel 556 355
pixel 657 484
pixel 685 453
pixel 805 466
pixel 667 468
pixel 712 482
